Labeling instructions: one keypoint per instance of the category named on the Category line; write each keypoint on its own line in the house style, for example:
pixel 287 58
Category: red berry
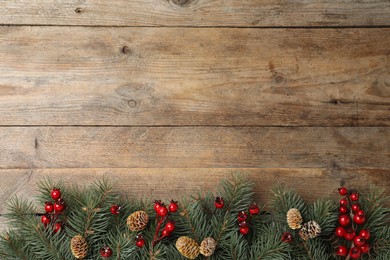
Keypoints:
pixel 365 233
pixel 354 196
pixel 360 213
pixel 359 241
pixel 344 220
pixel 115 209
pixel 59 205
pixel 49 207
pixel 57 227
pixel 287 237
pixel 170 226
pixel 242 216
pixel 254 209
pixel 165 233
pixel 139 241
pixel 157 205
pixel 173 206
pixel 343 210
pixel 354 252
pixel 343 191
pixel 219 202
pixel 365 248
pixel 342 251
pixel 359 219
pixel 349 234
pixel 340 232
pixel 355 207
pixel 105 251
pixel 162 211
pixel 343 202
pixel 244 229
pixel 55 193
pixel 45 219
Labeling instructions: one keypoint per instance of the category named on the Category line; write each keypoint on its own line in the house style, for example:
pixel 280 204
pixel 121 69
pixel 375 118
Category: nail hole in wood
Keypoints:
pixel 36 144
pixel 335 101
pixel 125 49
pixel 132 103
pixel 78 10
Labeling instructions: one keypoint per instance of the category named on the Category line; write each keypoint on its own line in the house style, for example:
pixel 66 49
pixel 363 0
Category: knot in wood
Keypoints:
pixel 132 103
pixel 78 10
pixel 182 3
pixel 279 78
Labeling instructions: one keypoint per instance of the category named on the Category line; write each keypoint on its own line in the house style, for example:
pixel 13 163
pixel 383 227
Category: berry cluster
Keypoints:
pixel 350 219
pixel 53 209
pixel 243 218
pixel 162 213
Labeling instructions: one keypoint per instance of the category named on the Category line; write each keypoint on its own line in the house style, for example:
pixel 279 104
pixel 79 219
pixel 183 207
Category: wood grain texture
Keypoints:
pixel 208 147
pixel 194 76
pixel 165 183
pixel 246 13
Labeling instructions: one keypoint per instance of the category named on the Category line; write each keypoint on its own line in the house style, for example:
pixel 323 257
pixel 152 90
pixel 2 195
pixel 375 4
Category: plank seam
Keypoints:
pixel 198 126
pixel 206 26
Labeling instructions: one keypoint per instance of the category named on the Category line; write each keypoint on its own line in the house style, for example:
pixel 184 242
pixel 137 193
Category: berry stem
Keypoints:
pixel 158 240
pixel 351 213
pixel 160 222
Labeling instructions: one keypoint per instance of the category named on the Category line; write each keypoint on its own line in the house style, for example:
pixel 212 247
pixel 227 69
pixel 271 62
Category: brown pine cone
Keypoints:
pixel 207 246
pixel 187 247
pixel 138 220
pixel 79 247
pixel 294 218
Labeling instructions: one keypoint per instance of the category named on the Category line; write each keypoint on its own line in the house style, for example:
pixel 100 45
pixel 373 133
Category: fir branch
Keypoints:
pixel 325 213
pixel 316 248
pixel 285 199
pixel 12 247
pixel 238 247
pixel 185 214
pixel 308 251
pixel 268 245
pixel 237 192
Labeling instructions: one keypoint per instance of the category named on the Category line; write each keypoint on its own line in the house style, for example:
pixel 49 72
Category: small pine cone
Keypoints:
pixel 294 218
pixel 138 220
pixel 207 246
pixel 309 230
pixel 187 247
pixel 79 247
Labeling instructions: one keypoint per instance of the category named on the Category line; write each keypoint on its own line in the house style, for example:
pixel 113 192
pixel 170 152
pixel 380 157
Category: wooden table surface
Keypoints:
pixel 167 96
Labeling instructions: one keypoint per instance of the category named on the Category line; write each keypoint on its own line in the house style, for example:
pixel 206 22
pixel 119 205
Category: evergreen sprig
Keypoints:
pixel 88 214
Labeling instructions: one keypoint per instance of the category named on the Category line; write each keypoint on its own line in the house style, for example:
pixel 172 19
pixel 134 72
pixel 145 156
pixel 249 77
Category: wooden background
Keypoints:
pixel 166 96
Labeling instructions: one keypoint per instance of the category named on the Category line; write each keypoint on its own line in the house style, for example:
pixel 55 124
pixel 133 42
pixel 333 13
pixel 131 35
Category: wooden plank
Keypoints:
pixel 165 183
pixel 208 147
pixel 198 76
pixel 247 13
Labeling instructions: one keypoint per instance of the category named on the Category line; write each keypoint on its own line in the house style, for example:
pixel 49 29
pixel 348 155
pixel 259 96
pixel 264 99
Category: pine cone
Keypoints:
pixel 187 247
pixel 138 220
pixel 294 218
pixel 207 246
pixel 310 229
pixel 79 247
